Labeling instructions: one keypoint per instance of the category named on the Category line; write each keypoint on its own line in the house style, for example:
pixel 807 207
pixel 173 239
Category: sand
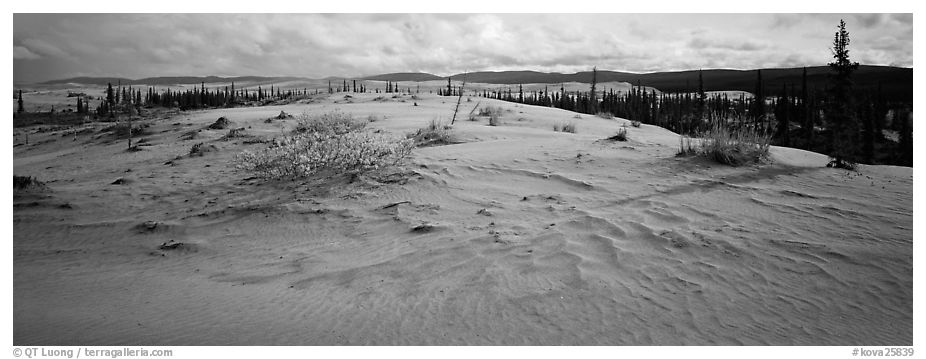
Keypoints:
pixel 516 235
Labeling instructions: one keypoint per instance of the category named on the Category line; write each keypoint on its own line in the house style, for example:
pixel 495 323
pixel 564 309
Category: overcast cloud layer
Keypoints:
pixel 55 46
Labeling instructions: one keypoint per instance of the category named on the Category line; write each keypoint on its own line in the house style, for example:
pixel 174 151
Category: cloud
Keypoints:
pixel 727 44
pixel 320 45
pixel 870 20
pixel 22 53
pixel 44 48
pixel 786 20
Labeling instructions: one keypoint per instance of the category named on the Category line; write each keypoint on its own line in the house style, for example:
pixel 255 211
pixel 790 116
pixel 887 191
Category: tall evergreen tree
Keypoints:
pixel 759 103
pixel 110 99
pixel 808 122
pixel 841 120
pixel 782 114
pixel 592 98
pixel 701 106
pixel 20 108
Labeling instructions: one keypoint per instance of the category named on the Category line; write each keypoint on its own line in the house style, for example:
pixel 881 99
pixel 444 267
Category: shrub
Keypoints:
pixel 304 155
pixel 565 126
pixel 220 124
pixel 735 146
pixel 234 133
pixel 435 134
pixel 494 120
pixel 685 147
pixel 26 182
pixel 334 122
pixel 490 111
pixel 635 123
pixel 620 136
pixel 729 146
pixel 605 115
pixel 121 130
pixel 200 149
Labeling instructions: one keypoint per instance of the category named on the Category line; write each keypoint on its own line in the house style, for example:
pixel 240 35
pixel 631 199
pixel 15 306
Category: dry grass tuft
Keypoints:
pixel 565 126
pixel 729 146
pixel 620 136
pixel 437 133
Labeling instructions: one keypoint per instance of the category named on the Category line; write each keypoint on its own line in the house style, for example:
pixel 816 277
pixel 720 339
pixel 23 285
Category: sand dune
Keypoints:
pixel 517 235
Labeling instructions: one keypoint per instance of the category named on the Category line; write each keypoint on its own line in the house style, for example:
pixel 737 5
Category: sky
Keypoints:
pixel 57 46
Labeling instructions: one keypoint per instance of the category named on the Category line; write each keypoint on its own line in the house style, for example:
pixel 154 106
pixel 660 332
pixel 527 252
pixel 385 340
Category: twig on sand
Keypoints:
pixel 395 204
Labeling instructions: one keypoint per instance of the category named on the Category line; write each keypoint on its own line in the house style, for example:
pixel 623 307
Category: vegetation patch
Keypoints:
pixel 435 134
pixel 220 124
pixel 334 123
pixel 26 182
pixel 729 146
pixel 201 149
pixel 565 126
pixel 620 136
pixel 330 143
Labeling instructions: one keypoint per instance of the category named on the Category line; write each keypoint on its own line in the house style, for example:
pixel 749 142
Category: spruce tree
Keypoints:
pixel 759 102
pixel 702 98
pixel 20 102
pixel 782 112
pixel 841 120
pixel 592 99
pixel 110 99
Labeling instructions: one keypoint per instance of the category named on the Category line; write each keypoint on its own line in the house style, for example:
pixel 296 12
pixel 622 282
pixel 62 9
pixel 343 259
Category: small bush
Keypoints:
pixel 201 149
pixel 735 147
pixel 121 130
pixel 220 124
pixel 334 122
pixel 605 115
pixel 620 136
pixel 26 182
pixel 494 120
pixel 843 164
pixel 490 111
pixel 304 155
pixel 565 126
pixel 685 147
pixel 189 135
pixel 635 123
pixel 435 134
pixel 234 133
pixel 729 146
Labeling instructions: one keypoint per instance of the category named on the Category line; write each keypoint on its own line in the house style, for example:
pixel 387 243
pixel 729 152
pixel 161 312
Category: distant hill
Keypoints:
pixel 405 76
pixel 165 80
